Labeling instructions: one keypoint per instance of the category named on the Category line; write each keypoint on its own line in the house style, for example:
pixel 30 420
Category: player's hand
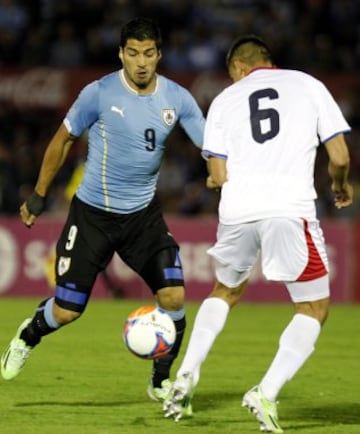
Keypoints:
pixel 32 208
pixel 343 195
pixel 211 184
pixel 27 218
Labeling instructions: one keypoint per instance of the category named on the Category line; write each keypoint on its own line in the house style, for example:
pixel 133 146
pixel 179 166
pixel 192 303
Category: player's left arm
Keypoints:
pixel 339 166
pixel 331 128
pixel 191 118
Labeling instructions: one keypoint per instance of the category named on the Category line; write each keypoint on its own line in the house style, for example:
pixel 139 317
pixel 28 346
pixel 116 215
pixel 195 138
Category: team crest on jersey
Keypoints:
pixel 169 116
pixel 63 265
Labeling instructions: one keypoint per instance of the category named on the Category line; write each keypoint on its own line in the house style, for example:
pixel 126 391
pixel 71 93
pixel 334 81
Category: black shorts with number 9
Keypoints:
pixel 142 239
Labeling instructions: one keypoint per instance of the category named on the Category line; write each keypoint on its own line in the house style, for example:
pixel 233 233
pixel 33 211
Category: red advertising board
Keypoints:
pixel 56 88
pixel 25 252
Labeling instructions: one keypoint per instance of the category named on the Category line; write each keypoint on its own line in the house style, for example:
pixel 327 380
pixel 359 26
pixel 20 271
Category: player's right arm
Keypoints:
pixel 214 149
pixel 81 115
pixel 339 164
pixel 54 157
pixel 217 172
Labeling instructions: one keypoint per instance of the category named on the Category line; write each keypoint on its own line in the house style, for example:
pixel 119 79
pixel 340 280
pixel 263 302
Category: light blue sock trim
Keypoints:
pixel 175 315
pixel 48 314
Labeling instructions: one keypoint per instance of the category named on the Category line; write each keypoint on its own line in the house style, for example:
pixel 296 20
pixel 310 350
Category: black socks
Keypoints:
pixel 38 327
pixel 161 367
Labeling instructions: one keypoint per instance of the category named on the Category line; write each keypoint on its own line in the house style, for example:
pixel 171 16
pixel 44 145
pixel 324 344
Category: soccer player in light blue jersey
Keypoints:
pixel 128 115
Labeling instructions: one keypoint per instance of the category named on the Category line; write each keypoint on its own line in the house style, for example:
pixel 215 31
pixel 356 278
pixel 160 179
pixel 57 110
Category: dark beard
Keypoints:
pixel 141 85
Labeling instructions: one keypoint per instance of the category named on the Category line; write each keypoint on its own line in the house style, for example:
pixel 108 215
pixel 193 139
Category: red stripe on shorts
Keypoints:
pixel 315 267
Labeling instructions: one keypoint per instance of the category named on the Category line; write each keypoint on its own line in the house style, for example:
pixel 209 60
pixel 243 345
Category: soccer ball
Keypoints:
pixel 149 332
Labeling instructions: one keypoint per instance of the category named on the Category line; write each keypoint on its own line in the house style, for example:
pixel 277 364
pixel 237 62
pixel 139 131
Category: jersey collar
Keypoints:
pixel 262 67
pixel 133 91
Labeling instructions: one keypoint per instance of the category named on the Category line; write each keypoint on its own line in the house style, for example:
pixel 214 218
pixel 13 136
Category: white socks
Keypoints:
pixel 210 320
pixel 296 345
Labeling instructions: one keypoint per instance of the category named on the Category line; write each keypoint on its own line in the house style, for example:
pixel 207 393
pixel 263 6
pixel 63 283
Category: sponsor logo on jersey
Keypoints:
pixel 169 116
pixel 118 110
pixel 63 265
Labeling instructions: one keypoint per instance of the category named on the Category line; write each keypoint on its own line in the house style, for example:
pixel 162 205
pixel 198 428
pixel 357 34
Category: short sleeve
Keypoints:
pixel 214 137
pixel 331 121
pixel 191 118
pixel 84 111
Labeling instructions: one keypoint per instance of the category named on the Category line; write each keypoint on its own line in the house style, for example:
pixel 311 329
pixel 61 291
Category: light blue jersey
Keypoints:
pixel 127 134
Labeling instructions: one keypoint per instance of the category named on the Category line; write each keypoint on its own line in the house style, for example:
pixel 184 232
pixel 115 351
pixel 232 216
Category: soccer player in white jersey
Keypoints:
pixel 261 138
pixel 128 115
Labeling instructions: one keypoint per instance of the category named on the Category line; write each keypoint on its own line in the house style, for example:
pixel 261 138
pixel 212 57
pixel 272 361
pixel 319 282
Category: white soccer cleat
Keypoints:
pixel 264 410
pixel 13 359
pixel 178 402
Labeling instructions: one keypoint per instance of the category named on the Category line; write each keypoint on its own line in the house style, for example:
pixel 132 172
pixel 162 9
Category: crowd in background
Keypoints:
pixel 317 36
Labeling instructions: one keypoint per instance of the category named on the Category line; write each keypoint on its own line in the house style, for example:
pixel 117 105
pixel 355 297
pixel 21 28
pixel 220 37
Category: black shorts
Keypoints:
pixel 91 236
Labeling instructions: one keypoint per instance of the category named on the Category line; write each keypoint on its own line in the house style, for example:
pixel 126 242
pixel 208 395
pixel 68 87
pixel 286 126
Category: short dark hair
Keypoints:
pixel 259 48
pixel 141 28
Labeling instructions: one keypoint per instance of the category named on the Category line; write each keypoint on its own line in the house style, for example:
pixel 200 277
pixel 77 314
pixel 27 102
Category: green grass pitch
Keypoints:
pixel 83 380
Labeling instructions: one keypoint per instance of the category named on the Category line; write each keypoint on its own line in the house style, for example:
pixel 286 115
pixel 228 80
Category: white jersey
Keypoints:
pixel 268 127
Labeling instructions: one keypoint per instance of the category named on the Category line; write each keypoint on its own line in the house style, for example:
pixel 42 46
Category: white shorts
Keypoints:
pixel 291 249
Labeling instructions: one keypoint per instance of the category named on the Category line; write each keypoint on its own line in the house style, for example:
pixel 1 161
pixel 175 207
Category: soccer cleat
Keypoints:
pixel 178 402
pixel 13 359
pixel 264 410
pixel 159 393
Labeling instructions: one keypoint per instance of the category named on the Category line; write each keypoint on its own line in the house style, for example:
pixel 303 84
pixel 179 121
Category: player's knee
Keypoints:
pixel 171 298
pixel 64 316
pixel 70 302
pixel 228 294
pixel 321 310
pixel 318 309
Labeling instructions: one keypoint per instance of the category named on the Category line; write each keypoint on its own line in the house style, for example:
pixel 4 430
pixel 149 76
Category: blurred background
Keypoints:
pixel 50 49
